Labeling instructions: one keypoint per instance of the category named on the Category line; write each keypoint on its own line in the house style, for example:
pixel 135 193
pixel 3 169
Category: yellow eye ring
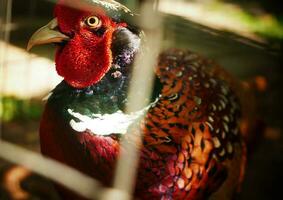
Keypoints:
pixel 93 22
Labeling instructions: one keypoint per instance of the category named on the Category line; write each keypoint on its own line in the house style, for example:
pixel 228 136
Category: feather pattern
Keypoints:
pixel 111 5
pixel 192 147
pixel 191 141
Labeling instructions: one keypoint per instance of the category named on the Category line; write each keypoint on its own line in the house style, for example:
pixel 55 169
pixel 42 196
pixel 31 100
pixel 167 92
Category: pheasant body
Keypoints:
pixel 192 146
pixel 191 135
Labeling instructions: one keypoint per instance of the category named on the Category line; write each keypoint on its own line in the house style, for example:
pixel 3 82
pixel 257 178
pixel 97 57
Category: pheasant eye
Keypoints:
pixel 93 22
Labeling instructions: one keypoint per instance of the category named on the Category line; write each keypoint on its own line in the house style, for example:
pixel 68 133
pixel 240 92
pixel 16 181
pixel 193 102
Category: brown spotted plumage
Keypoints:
pixel 192 143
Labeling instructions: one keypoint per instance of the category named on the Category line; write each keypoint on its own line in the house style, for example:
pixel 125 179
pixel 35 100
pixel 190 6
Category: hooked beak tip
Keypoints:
pixel 29 46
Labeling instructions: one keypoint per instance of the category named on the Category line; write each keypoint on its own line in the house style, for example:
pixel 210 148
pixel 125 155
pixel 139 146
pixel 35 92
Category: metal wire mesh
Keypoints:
pixel 5 24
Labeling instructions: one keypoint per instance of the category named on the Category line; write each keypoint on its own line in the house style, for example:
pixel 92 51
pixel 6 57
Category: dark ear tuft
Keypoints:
pixel 124 38
pixel 125 44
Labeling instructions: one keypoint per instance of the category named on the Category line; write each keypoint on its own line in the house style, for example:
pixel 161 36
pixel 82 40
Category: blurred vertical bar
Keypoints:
pixel 155 5
pixel 5 21
pixel 142 81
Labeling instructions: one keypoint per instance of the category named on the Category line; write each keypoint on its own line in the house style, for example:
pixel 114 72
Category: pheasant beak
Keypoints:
pixel 47 34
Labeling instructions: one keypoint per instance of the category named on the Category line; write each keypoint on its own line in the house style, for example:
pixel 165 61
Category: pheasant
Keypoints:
pixel 193 145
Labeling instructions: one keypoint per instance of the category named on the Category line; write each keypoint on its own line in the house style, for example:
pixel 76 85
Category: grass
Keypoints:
pixel 264 24
pixel 13 109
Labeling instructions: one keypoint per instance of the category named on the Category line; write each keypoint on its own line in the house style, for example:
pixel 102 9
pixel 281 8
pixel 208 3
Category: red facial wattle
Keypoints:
pixel 87 56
